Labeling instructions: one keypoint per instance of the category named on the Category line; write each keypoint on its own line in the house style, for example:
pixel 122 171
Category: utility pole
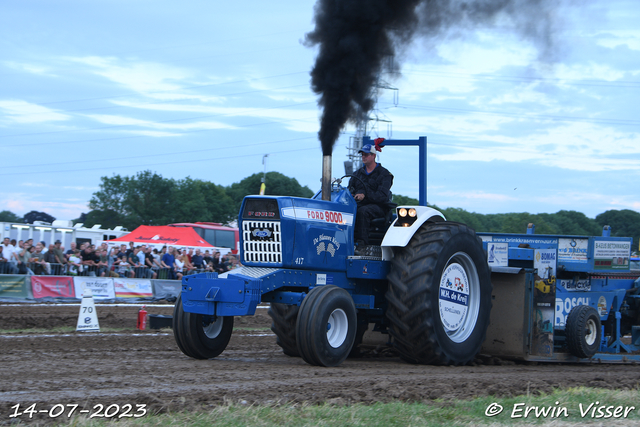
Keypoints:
pixel 264 174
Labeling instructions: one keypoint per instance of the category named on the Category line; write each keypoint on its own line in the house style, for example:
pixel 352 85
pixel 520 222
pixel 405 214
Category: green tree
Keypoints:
pixel 404 200
pixel 624 223
pixel 277 184
pixel 197 200
pixel 8 216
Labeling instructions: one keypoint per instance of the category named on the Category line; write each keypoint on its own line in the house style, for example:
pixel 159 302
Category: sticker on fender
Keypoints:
pixel 454 296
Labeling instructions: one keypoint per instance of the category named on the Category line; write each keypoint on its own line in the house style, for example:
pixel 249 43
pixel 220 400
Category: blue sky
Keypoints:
pixel 206 89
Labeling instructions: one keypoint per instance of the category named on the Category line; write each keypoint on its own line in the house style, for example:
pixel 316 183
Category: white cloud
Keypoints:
pixel 21 203
pixel 615 38
pixel 29 68
pixel 19 111
pixel 574 146
pixel 142 77
pixel 176 126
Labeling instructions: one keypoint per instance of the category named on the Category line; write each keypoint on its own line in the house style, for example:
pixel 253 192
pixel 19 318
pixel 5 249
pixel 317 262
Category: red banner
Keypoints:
pixel 52 286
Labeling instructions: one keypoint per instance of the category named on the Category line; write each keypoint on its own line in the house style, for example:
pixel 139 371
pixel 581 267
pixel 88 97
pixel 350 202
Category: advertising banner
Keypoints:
pixel 498 254
pixel 132 288
pixel 573 249
pixel 102 287
pixel 14 286
pixel 52 286
pixel 612 255
pixel 167 288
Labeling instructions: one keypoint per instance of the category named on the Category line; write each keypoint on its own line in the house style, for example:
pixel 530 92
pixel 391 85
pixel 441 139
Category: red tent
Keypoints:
pixel 162 235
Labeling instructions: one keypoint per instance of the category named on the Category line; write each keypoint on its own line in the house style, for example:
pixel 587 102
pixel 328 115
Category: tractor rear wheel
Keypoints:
pixel 439 295
pixel 284 318
pixel 326 326
pixel 200 336
pixel 583 331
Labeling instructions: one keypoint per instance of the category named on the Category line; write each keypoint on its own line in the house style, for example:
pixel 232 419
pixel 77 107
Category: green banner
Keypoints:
pixel 15 286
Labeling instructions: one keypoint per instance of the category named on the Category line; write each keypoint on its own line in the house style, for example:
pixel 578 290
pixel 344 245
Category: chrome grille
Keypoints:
pixel 262 242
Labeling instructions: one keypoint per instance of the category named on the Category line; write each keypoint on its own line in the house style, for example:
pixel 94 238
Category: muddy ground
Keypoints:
pixel 146 367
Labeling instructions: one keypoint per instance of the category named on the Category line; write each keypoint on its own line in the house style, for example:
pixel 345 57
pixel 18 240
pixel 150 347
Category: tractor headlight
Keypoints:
pixel 406 217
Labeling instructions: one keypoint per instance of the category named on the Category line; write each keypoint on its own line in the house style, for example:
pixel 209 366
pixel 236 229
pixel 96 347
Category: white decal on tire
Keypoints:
pixel 454 296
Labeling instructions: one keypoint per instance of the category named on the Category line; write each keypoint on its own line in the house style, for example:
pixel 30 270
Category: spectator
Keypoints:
pixel 102 262
pixel 188 267
pixel 168 262
pixel 53 266
pixel 9 250
pixel 130 250
pixel 23 259
pixel 216 262
pixel 3 262
pixel 45 248
pixel 198 260
pixel 149 262
pixel 179 265
pixel 71 251
pixel 207 258
pixel 37 258
pixel 59 253
pixel 224 264
pixel 123 268
pixel 75 263
pixel 133 260
pixel 141 254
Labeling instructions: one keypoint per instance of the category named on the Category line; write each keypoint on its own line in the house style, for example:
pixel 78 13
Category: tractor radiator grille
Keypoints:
pixel 262 242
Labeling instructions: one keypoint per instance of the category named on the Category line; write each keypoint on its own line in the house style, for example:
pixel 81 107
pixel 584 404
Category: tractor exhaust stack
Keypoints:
pixel 326 177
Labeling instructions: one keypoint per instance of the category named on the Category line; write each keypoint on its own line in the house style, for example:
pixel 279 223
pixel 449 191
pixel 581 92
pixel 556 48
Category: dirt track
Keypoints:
pixel 146 367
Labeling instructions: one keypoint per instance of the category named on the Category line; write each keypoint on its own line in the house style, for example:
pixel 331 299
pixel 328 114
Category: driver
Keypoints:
pixel 371 188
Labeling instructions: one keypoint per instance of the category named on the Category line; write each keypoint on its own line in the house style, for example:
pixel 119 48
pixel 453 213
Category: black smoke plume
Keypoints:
pixel 358 39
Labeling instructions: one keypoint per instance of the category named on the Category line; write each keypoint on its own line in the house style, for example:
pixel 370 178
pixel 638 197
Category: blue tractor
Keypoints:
pixel 426 282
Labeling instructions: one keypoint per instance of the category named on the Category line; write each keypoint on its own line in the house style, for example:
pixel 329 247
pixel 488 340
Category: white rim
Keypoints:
pixel 337 328
pixel 212 330
pixel 465 314
pixel 591 333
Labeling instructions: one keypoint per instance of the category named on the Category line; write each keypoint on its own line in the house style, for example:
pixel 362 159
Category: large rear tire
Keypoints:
pixel 326 326
pixel 200 336
pixel 583 331
pixel 439 295
pixel 284 318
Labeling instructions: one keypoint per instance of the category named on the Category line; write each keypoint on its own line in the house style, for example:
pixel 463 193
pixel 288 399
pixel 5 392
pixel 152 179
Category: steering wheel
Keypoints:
pixel 339 181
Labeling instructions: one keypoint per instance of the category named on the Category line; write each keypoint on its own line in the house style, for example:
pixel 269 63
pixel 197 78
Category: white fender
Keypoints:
pixel 400 236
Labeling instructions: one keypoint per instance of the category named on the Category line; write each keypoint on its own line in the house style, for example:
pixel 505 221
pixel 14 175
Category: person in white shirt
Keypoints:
pixel 8 251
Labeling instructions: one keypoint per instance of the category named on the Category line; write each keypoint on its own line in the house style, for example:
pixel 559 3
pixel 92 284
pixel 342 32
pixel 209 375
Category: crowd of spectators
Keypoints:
pixel 119 261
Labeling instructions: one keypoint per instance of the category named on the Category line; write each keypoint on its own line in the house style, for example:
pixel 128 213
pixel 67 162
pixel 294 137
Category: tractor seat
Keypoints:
pixel 380 225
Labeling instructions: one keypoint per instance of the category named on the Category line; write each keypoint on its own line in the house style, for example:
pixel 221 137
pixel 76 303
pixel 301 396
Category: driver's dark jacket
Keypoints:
pixel 376 186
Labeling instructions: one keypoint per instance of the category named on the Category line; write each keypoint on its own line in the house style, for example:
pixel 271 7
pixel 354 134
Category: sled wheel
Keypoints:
pixel 178 334
pixel 583 331
pixel 439 295
pixel 326 326
pixel 200 336
pixel 284 318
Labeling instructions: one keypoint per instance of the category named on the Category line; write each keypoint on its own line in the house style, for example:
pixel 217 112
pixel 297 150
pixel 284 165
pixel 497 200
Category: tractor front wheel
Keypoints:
pixel 326 326
pixel 200 336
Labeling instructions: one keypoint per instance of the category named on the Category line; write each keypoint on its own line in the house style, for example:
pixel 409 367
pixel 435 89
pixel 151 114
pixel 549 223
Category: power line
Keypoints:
pixel 146 156
pixel 522 115
pixel 32 172
pixel 207 116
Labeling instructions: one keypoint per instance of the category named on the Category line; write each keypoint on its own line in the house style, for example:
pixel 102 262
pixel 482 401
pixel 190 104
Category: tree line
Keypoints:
pixel 148 198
